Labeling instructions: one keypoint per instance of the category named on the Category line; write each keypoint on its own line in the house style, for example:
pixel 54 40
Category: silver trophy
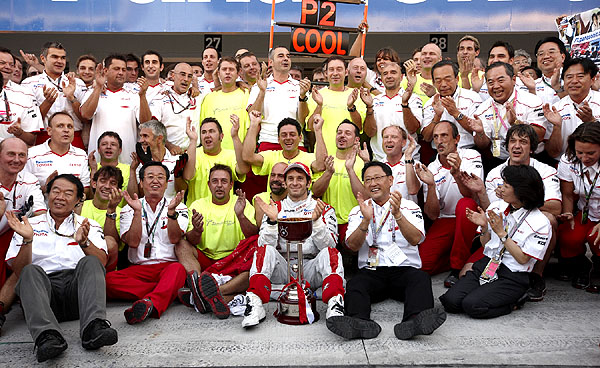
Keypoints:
pixel 294 232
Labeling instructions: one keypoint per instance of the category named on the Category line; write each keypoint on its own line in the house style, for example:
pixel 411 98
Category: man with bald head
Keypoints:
pixel 20 193
pixel 177 105
pixel 357 73
pixel 430 55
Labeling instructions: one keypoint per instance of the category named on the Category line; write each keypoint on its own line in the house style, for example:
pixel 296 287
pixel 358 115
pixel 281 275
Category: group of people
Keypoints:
pixel 155 188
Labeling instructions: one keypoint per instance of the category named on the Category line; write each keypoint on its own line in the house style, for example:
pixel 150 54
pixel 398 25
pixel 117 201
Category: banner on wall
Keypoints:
pixel 581 34
pixel 218 16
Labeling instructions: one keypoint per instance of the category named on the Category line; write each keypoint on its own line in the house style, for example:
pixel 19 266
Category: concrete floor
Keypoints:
pixel 564 329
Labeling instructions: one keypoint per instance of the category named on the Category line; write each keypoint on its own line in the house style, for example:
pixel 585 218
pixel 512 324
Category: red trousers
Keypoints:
pixel 448 241
pixel 572 241
pixel 4 244
pixel 159 282
pixel 240 260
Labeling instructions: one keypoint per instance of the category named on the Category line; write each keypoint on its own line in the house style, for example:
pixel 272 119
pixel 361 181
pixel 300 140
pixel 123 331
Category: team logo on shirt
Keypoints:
pixel 566 116
pixel 43 163
pixel 40 232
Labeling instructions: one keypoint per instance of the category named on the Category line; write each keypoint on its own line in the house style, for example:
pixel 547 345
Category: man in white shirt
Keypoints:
pixel 59 259
pixel 57 155
pixel 451 103
pixel 448 241
pixel 508 106
pixel 210 59
pixel 115 106
pixel 399 147
pixel 551 54
pixel 395 106
pixel 278 97
pixel 133 68
pixel 152 65
pixel 151 227
pixel 386 230
pixel 55 92
pixel 19 115
pixel 581 105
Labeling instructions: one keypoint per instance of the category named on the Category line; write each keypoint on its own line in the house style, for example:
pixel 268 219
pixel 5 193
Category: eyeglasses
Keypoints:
pixel 158 177
pixel 374 179
pixel 550 52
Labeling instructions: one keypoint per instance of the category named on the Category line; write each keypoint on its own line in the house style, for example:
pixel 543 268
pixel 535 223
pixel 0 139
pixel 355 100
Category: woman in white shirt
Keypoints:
pixel 515 234
pixel 579 171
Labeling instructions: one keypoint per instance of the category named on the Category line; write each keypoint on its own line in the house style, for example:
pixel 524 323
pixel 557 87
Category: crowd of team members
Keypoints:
pixel 137 187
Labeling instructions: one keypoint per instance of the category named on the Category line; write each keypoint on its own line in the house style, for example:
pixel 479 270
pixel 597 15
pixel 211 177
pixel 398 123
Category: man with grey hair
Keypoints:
pixel 521 60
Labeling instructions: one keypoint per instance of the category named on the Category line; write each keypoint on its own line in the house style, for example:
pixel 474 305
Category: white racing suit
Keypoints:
pixel 322 262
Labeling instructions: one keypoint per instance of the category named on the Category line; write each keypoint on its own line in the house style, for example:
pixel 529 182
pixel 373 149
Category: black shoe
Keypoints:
pixel 97 334
pixel 209 289
pixel 352 327
pixel 452 279
pixel 139 311
pixel 423 323
pixel 594 281
pixel 537 287
pixel 193 283
pixel 521 301
pixel 50 344
pixel 581 280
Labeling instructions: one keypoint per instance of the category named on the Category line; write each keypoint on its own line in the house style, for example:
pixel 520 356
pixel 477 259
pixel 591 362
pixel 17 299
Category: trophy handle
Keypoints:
pixel 300 263
pixel 289 276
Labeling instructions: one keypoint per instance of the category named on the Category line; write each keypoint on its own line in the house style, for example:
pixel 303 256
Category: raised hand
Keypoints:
pixel 427 89
pixel 133 202
pixel 15 129
pixel 472 181
pixel 255 117
pixel 100 79
pixel 92 159
pixel 478 218
pixel 511 114
pixel 329 164
pixel 69 89
pixel 366 209
pixel 584 112
pixel 449 105
pixel 135 161
pixel 411 145
pixel 552 115
pixel 32 60
pixel 475 124
pixel 175 201
pixel 318 210
pixel 261 82
pixel 351 160
pixel 50 94
pixel 190 130
pixel 352 98
pixel 22 228
pixel 364 152
pixel 316 96
pixel 270 209
pixel 81 235
pixel 395 201
pixel 304 87
pixel 476 80
pixel 240 203
pixel 366 97
pixel 235 125
pixel 454 161
pixel 142 83
pixel 197 221
pixel 438 108
pixel 527 80
pixel 496 223
pixel 114 198
pixel 424 174
pixel 317 122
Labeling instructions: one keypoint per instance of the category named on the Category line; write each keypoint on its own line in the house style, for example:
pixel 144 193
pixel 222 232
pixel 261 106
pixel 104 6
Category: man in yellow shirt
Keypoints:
pixel 230 99
pixel 289 132
pixel 103 208
pixel 203 159
pixel 336 102
pixel 218 224
pixel 110 147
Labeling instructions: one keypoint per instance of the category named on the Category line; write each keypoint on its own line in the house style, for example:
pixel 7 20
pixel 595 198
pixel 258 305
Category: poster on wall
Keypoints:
pixel 581 34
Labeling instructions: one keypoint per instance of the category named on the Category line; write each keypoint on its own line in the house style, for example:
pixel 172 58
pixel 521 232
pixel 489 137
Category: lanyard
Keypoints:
pixel 7 108
pixel 74 228
pixel 377 229
pixel 585 192
pixel 150 230
pixel 513 231
pixel 58 87
pixel 497 116
pixel 183 108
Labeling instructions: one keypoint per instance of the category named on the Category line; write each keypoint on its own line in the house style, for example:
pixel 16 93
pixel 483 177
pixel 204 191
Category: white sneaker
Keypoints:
pixel 335 306
pixel 237 305
pixel 255 312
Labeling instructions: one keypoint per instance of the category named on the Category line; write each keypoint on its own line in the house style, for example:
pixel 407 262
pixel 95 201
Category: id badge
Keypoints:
pixel 496 147
pixel 585 214
pixel 490 273
pixel 373 259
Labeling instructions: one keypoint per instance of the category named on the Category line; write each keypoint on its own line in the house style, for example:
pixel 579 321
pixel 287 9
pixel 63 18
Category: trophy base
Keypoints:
pixel 288 310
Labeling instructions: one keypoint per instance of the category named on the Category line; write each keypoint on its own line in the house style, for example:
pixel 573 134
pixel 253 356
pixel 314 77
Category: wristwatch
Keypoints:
pixel 352 109
pixel 404 106
pixel 504 238
pixel 173 216
pixel 112 216
pixel 303 99
pixel 460 116
pixel 409 162
pixel 271 222
pixel 86 244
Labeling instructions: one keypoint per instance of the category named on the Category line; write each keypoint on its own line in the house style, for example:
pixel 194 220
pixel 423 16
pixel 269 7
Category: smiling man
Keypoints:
pixel 551 54
pixel 110 147
pixel 210 59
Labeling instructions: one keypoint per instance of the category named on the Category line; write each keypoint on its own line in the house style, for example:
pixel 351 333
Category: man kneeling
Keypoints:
pixel 385 230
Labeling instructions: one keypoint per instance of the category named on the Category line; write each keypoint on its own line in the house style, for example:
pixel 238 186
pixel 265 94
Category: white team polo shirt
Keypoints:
pixel 568 111
pixel 42 162
pixel 204 86
pixel 18 102
pixel 281 101
pixel 528 108
pixel 162 248
pixel 56 250
pixel 413 214
pixel 117 111
pixel 18 195
pixel 548 174
pixel 36 85
pixel 173 109
pixel 575 173
pixel 532 236
pixel 544 90
pixel 466 102
pixel 375 80
pixel 388 111
pixel 447 189
pixel 169 161
pixel 154 95
pixel 399 174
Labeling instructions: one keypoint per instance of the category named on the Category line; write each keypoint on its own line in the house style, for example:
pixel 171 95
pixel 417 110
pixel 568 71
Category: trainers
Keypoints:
pixel 209 289
pixel 139 311
pixel 537 287
pixel 423 323
pixel 452 279
pixel 97 334
pixel 335 306
pixel 352 327
pixel 193 283
pixel 184 295
pixel 49 344
pixel 237 305
pixel 255 312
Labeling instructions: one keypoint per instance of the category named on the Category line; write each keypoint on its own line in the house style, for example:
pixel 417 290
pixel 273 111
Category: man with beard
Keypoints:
pixel 218 224
pixel 451 103
pixel 278 97
pixel 55 92
pixel 210 58
pixel 395 106
pixel 277 191
pixel 117 108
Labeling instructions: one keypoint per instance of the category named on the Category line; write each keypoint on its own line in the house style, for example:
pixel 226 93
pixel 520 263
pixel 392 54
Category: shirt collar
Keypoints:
pixel 67 227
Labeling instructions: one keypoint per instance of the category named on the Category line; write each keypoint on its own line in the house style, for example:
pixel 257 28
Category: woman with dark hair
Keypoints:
pixel 578 172
pixel 515 234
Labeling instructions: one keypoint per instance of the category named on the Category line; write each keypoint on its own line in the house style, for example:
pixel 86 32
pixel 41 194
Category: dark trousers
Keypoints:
pixel 48 299
pixel 489 300
pixel 406 284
